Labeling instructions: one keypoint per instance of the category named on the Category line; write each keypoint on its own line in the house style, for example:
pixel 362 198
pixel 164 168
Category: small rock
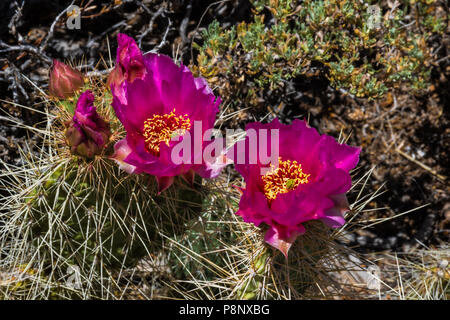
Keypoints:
pixel 362 241
pixel 392 241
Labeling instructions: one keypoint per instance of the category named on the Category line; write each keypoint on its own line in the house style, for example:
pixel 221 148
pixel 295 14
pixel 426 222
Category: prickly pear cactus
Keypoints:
pixel 220 256
pixel 66 207
pixel 76 226
pixel 271 271
pixel 81 217
pixel 80 222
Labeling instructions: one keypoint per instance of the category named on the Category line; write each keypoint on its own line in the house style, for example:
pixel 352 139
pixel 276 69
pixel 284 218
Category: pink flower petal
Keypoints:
pixel 164 183
pixel 335 216
pixel 272 238
pixel 121 152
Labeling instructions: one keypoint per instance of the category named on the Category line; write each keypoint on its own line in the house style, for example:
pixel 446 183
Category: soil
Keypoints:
pixel 405 138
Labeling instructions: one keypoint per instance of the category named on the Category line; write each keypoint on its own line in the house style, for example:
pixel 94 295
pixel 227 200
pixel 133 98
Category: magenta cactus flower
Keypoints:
pixel 64 80
pixel 157 100
pixel 309 181
pixel 87 134
pixel 129 66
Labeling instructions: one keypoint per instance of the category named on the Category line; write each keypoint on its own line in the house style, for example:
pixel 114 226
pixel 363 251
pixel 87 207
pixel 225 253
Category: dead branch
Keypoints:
pixel 52 28
pixel 149 29
pixel 185 22
pixel 27 48
pixel 164 39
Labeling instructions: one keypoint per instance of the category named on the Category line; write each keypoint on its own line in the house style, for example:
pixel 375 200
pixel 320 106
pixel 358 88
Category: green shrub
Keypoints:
pixel 341 41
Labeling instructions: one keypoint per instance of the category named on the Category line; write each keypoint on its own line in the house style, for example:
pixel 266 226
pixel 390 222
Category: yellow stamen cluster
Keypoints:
pixel 161 128
pixel 286 177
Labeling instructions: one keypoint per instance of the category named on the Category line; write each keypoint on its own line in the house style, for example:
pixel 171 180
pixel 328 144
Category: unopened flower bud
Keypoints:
pixel 64 80
pixel 87 134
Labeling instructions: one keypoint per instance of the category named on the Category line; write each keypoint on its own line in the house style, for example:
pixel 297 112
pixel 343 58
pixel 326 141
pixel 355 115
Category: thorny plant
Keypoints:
pixel 208 253
pixel 422 274
pixel 72 250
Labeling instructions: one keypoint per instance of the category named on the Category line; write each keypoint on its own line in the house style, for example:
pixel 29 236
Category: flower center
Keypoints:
pixel 288 176
pixel 162 128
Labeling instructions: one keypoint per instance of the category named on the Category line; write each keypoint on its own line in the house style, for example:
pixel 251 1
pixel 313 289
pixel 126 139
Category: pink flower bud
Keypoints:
pixel 64 80
pixel 129 64
pixel 87 134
